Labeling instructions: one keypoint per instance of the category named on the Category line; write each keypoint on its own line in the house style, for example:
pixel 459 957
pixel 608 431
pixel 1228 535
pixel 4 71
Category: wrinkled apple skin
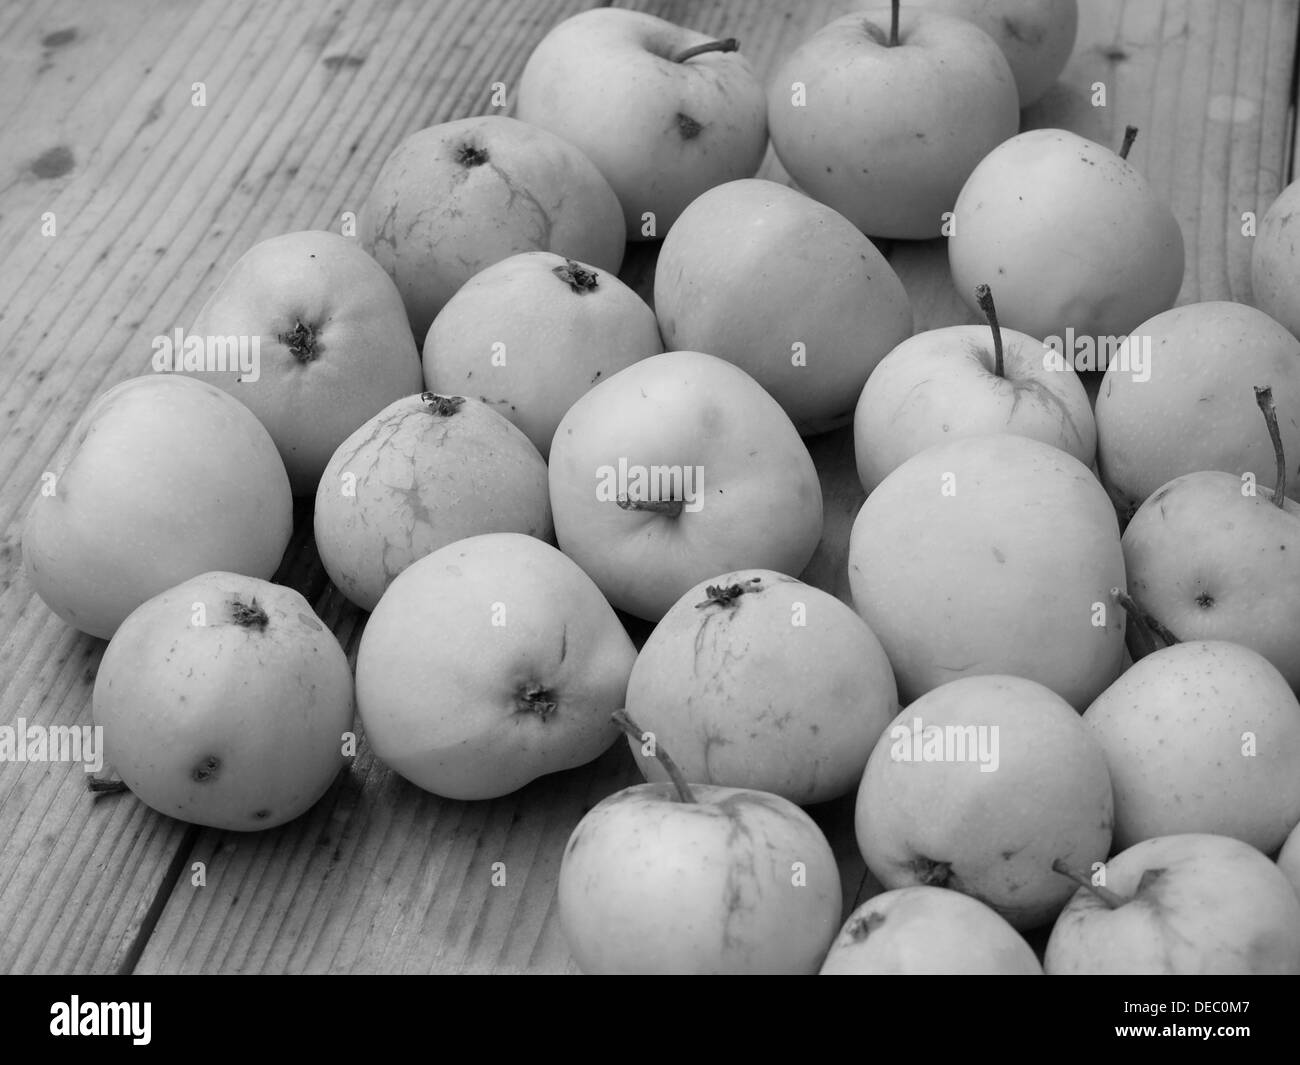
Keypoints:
pixel 928 931
pixel 488 663
pixel 941 385
pixel 562 326
pixel 319 295
pixel 759 501
pixel 1214 562
pixel 1173 727
pixel 422 473
pixel 951 559
pixel 235 722
pixel 1068 234
pixel 162 479
pixel 993 835
pixel 1216 908
pixel 1036 36
pixel 737 882
pixel 1274 264
pixel 1197 411
pixel 753 269
pixel 460 196
pixel 778 687
pixel 886 136
pixel 661 132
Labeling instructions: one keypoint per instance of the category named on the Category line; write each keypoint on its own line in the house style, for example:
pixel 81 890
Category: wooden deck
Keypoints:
pixel 154 200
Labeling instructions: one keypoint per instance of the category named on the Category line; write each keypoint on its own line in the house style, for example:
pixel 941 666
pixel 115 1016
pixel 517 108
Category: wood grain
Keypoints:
pixel 154 200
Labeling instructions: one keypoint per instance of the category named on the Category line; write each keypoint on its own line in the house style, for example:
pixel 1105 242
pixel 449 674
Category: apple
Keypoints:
pixel 460 196
pixel 991 554
pixel 532 333
pixel 928 931
pixel 759 681
pixel 965 380
pixel 697 879
pixel 1036 36
pixel 1194 409
pixel 1288 859
pixel 1203 736
pixel 1079 246
pixel 334 344
pixel 1216 557
pixel 883 117
pixel 664 112
pixel 979 786
pixel 489 663
pixel 424 472
pixel 224 702
pixel 1185 905
pixel 162 478
pixel 1274 263
pixel 677 469
pixel 787 289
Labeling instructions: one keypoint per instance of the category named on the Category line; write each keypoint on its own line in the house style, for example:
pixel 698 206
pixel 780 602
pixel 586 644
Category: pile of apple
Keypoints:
pixel 1102 605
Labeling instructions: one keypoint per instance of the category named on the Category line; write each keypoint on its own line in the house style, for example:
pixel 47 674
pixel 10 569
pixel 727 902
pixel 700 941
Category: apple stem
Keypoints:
pixel 1145 622
pixel 442 406
pixel 671 507
pixel 1130 135
pixel 893 23
pixel 1264 397
pixel 105 782
pixel 1107 896
pixel 727 44
pixel 984 296
pixel 684 793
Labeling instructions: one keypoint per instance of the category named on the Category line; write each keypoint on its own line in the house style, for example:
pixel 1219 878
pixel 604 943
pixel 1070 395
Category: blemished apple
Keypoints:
pixel 422 473
pixel 1274 262
pixel 788 290
pixel 757 680
pixel 1216 557
pixel 335 348
pixel 979 786
pixel 1203 736
pixel 1184 905
pixel 1074 240
pixel 532 333
pixel 1288 859
pixel 966 380
pixel 928 931
pixel 663 111
pixel 489 663
pixel 162 478
pixel 1036 36
pixel 697 879
pixel 883 117
pixel 224 702
pixel 460 196
pixel 677 469
pixel 991 554
pixel 1195 409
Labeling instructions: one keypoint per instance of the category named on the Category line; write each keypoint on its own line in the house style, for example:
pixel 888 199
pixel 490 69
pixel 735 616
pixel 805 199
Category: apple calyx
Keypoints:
pixel 1264 398
pixel 442 406
pixel 984 296
pixel 205 769
pixel 300 340
pixel 727 44
pixel 577 277
pixel 248 615
pixel 687 127
pixel 893 23
pixel 671 507
pixel 1147 625
pixel 469 155
pixel 1130 135
pixel 860 927
pixel 684 793
pixel 932 873
pixel 534 699
pixel 726 596
pixel 105 782
pixel 1110 898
